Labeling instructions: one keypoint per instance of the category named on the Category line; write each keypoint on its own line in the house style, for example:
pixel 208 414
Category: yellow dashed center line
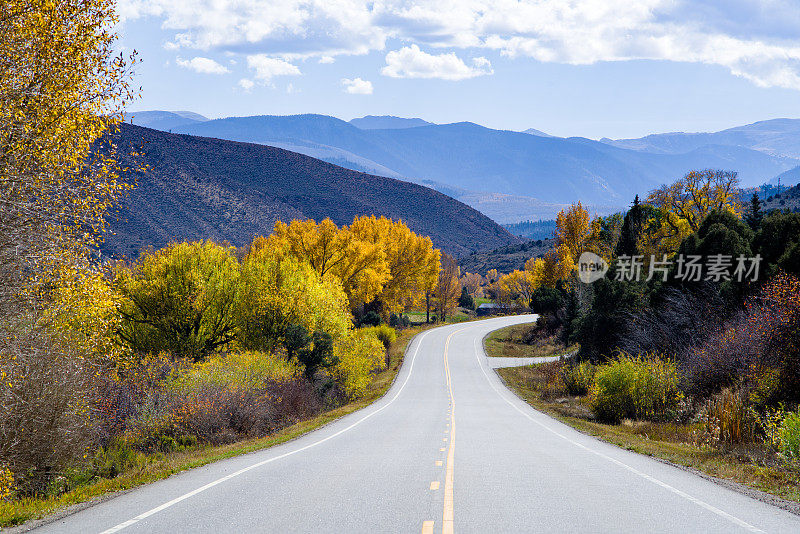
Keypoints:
pixel 447 513
pixel 427 527
pixel 435 485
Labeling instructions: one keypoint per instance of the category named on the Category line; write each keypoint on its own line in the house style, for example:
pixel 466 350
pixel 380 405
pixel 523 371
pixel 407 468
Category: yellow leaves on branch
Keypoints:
pixel 358 354
pixel 61 88
pixel 683 205
pixel 412 261
pixel 573 229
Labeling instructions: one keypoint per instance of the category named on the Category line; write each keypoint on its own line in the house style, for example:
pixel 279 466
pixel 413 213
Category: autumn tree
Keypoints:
pixel 180 299
pixel 278 292
pixel 61 89
pixel 412 261
pixel 448 287
pixel 573 229
pixel 517 287
pixel 683 205
pixel 359 265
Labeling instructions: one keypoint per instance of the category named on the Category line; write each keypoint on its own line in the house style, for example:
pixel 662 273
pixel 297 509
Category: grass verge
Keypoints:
pixel 17 512
pixel 507 342
pixel 672 442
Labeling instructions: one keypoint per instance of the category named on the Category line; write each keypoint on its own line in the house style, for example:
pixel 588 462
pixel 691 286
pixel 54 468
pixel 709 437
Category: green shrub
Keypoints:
pixel 578 378
pixel 636 388
pixel 115 458
pixel 790 436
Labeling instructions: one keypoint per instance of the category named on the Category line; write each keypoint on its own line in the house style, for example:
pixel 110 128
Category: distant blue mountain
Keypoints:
pixel 387 122
pixel 777 137
pixel 478 159
pixel 163 120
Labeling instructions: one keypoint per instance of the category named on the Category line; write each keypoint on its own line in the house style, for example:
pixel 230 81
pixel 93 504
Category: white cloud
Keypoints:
pixel 266 67
pixel 327 60
pixel 203 65
pixel 411 62
pixel 246 84
pixel 758 40
pixel 357 86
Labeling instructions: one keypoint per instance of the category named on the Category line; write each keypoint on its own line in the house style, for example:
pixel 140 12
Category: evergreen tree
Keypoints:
pixel 754 212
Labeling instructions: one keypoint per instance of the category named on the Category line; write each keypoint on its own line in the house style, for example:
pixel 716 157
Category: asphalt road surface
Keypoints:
pixel 448 449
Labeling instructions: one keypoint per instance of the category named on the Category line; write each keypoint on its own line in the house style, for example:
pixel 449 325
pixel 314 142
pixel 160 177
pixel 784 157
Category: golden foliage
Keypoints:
pixel 573 229
pixel 61 88
pixel 277 291
pixel 360 266
pixel 358 354
pixel 683 206
pixel 412 261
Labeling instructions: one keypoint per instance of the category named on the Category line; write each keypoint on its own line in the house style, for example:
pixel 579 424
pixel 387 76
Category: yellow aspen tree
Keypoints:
pixel 359 265
pixel 412 261
pixel 573 229
pixel 61 88
pixel 683 205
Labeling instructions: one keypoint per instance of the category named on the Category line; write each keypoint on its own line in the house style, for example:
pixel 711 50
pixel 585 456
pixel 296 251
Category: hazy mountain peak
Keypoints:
pixel 387 122
pixel 163 120
pixel 539 133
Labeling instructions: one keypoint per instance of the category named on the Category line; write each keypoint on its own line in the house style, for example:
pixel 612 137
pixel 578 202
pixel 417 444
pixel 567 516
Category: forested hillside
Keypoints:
pixel 200 188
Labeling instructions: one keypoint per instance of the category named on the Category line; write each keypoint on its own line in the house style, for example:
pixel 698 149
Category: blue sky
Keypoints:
pixel 588 67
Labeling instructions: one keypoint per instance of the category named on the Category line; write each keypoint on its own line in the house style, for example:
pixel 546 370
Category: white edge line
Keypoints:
pixel 633 470
pixel 210 485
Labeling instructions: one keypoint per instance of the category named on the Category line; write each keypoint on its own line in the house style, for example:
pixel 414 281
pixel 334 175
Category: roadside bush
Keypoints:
pixel 45 405
pixel 358 354
pixel 636 388
pixel 117 457
pixel 235 395
pixel 790 437
pixel 578 378
pixel 728 419
pixel 386 334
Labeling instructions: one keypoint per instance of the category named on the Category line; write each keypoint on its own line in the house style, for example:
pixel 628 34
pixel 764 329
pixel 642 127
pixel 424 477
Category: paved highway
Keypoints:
pixel 448 449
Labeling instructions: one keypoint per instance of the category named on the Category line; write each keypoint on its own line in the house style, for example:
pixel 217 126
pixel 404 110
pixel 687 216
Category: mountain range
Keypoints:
pixel 200 188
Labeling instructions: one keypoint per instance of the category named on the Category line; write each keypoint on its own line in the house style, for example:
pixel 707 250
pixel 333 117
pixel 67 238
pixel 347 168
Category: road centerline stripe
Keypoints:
pixel 447 512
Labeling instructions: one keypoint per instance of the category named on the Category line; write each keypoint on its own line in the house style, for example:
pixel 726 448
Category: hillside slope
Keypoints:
pixel 197 188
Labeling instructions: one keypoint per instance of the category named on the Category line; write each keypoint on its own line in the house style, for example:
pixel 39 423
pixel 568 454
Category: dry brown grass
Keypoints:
pixel 508 342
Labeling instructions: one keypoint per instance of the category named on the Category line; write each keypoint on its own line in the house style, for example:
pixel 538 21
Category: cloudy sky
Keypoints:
pixel 616 68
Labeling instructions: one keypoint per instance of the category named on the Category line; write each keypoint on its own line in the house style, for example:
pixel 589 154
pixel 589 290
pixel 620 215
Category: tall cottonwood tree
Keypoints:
pixel 448 287
pixel 412 261
pixel 359 265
